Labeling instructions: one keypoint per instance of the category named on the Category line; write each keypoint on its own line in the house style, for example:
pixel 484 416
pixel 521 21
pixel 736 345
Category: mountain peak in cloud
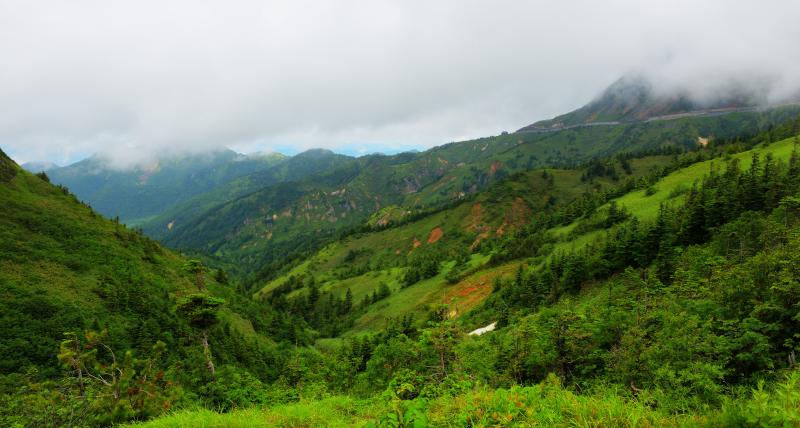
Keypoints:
pixel 635 98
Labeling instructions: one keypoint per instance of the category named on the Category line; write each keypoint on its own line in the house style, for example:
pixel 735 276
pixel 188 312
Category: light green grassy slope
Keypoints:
pixel 670 189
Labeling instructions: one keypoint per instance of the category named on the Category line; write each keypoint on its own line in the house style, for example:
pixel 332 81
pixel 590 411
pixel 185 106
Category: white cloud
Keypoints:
pixel 134 78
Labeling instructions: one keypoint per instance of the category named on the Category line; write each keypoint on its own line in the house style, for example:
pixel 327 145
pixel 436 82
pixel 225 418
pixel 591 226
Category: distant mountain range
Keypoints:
pixel 147 190
pixel 254 210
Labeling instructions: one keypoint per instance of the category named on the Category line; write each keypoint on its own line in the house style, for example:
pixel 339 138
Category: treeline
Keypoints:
pixel 327 313
pixel 532 239
pixel 718 199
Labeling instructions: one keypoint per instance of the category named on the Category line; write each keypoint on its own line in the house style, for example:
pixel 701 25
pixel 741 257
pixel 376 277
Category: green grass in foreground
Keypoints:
pixel 337 411
pixel 545 404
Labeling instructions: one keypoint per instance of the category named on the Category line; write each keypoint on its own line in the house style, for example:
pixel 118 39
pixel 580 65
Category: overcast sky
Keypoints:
pixel 133 78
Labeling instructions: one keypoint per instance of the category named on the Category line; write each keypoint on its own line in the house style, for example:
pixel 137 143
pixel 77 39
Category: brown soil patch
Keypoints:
pixel 436 234
pixel 502 229
pixel 416 243
pixel 520 213
pixel 474 289
pixel 383 221
pixel 481 236
pixel 515 218
pixel 466 291
pixel 494 168
pixel 475 217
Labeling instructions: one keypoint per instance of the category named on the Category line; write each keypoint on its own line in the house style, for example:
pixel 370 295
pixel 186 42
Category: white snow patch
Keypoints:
pixel 480 331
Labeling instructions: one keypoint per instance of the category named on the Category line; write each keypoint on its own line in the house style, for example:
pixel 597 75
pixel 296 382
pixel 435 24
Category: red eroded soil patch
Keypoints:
pixel 493 169
pixel 466 291
pixel 383 221
pixel 474 289
pixel 515 218
pixel 436 234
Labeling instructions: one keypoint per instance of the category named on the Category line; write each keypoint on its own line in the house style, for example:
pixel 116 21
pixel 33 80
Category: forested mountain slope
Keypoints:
pixel 309 163
pixel 136 193
pixel 616 311
pixel 260 229
pixel 91 308
pixel 398 269
pixel 401 266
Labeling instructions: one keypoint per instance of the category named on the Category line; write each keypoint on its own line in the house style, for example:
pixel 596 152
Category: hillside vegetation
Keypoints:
pixel 656 284
pixel 100 323
pixel 398 254
pixel 257 232
pixel 680 315
pixel 134 194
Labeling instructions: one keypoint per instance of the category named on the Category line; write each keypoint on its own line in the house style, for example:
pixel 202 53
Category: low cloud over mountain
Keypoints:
pixel 133 79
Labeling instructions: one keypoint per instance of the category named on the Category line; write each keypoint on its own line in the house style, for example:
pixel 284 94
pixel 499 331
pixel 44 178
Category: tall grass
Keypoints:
pixel 545 404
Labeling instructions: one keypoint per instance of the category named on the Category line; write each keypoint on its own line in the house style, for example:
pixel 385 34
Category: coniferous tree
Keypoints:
pixel 196 268
pixel 348 301
pixel 201 312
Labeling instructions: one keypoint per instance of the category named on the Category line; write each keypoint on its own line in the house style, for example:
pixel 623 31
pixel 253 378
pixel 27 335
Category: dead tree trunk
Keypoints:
pixel 207 353
pixel 81 386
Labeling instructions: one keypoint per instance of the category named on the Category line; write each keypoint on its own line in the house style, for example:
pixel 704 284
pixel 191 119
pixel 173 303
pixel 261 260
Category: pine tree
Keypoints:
pixel 383 291
pixel 201 312
pixel 313 296
pixel 196 268
pixel 753 196
pixel 794 166
pixel 502 319
pixel 348 301
pixel 221 277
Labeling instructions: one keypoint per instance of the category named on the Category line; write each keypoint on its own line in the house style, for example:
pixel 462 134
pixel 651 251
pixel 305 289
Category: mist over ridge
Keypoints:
pixel 357 77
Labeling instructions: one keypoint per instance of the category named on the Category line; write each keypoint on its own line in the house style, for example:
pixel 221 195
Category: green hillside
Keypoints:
pixel 461 236
pixel 294 168
pixel 678 315
pixel 644 204
pixel 136 194
pixel 258 231
pixel 73 281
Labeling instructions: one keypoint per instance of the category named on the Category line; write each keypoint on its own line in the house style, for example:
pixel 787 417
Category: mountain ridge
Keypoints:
pixel 632 98
pixel 273 222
